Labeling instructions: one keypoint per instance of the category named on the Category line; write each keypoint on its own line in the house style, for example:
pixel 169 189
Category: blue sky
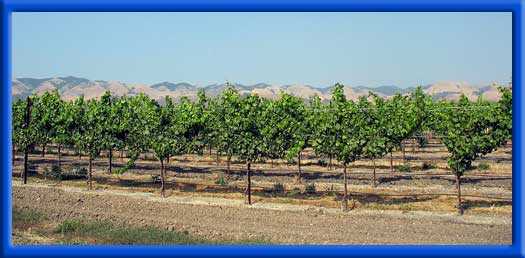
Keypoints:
pixel 319 49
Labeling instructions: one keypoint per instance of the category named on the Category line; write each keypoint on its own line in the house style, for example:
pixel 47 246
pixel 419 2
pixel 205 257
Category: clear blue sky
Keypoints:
pixel 371 49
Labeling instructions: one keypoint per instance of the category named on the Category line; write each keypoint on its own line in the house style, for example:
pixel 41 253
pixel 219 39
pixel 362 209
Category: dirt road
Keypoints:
pixel 227 219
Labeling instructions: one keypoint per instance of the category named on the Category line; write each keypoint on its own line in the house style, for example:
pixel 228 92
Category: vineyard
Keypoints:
pixel 272 148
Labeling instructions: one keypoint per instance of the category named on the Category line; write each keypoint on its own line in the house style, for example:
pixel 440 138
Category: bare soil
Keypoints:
pixel 228 219
pixel 189 166
pixel 496 182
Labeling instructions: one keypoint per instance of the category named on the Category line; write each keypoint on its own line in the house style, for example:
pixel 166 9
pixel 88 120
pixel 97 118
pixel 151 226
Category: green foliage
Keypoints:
pixel 396 121
pixel 283 126
pixel 247 128
pixel 24 137
pixel 207 135
pixel 473 129
pixel 322 127
pixel 253 128
pixel 331 192
pixel 504 113
pixel 46 118
pixel 221 181
pixel 138 128
pixel 77 110
pixel 378 137
pixel 354 127
pixel 91 136
pixel 483 166
pixel 404 168
pixel 224 123
pixel 421 108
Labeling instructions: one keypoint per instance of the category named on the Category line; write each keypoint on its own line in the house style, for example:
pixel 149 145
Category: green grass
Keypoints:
pixel 76 232
pixel 404 168
pixel 221 181
pixel 26 218
pixel 483 166
pixel 107 233
pixel 111 234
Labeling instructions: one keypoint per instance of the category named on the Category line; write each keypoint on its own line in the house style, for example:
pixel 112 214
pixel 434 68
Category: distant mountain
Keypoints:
pixel 387 90
pixel 72 87
pixel 173 86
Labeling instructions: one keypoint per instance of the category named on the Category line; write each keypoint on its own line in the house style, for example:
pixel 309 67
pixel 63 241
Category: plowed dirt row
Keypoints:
pixel 226 219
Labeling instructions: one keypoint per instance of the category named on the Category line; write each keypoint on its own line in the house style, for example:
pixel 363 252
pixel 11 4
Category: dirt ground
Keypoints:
pixel 190 166
pixel 414 205
pixel 229 219
pixel 485 191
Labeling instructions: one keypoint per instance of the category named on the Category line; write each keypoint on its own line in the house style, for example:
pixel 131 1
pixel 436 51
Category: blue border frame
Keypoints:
pixel 514 6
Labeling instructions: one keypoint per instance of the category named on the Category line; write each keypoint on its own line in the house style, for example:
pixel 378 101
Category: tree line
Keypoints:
pixel 251 128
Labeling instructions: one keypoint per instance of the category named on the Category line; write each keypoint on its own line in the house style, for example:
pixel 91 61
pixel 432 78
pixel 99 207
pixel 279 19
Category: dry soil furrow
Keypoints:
pixel 231 220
